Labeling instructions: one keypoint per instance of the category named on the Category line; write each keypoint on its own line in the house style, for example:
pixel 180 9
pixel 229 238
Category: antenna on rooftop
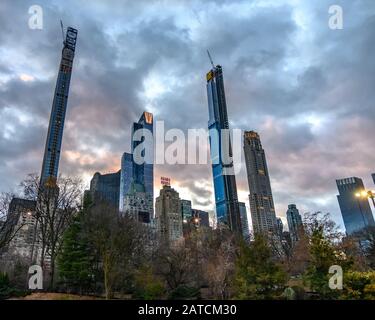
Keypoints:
pixel 209 56
pixel 62 31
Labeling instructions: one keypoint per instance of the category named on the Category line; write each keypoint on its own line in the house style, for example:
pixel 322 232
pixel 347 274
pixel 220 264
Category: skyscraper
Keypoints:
pixel 131 168
pixel 356 212
pixel 168 216
pixel 126 177
pixel 138 203
pixel 200 218
pixel 227 209
pixel 144 173
pixel 105 187
pixel 56 124
pixel 261 201
pixel 280 227
pixel 294 222
pixel 186 210
pixel 244 222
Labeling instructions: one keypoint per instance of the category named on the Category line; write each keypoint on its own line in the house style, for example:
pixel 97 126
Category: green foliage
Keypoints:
pixel 147 285
pixel 184 292
pixel 76 262
pixel 7 290
pixel 323 255
pixel 257 276
pixel 359 285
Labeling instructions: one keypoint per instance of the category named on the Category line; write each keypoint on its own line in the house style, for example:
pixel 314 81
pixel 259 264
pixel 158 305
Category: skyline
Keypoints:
pixel 106 91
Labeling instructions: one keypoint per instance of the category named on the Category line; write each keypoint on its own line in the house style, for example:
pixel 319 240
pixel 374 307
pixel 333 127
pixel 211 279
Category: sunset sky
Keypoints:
pixel 308 90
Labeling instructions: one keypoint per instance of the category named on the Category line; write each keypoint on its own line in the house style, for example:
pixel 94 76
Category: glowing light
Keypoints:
pixel 26 77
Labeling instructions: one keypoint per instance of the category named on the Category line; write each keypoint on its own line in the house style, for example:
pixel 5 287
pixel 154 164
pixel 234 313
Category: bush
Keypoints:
pixel 185 293
pixel 7 290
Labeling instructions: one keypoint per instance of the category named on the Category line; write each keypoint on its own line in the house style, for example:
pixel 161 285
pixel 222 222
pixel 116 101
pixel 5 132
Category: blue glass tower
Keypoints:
pixel 138 173
pixel 227 208
pixel 144 173
pixel 56 124
pixel 126 177
pixel 356 212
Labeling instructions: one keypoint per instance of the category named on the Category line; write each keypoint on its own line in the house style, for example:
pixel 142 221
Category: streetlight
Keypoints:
pixel 366 194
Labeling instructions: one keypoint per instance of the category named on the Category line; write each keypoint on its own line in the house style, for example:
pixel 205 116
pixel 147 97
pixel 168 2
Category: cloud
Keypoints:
pixel 306 89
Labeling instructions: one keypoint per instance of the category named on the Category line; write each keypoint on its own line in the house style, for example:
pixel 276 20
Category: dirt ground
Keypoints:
pixel 55 296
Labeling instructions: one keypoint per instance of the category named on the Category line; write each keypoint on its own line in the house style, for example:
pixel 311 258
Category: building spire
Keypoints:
pixel 209 57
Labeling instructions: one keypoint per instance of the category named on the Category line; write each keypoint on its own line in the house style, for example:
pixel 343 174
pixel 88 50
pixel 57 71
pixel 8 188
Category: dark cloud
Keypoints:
pixel 307 89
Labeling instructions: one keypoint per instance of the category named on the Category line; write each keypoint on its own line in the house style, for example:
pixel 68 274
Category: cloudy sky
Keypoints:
pixel 308 90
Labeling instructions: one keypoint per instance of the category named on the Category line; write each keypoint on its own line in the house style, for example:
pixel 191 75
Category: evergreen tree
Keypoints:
pixel 76 261
pixel 258 276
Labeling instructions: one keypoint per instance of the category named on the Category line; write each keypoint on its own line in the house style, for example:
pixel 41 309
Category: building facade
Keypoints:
pixel 295 224
pixel 244 221
pixel 20 223
pixel 280 227
pixel 262 207
pixel 138 204
pixel 56 123
pixel 200 218
pixel 168 216
pixel 138 166
pixel 126 177
pixel 106 188
pixel 355 211
pixel 186 210
pixel 226 199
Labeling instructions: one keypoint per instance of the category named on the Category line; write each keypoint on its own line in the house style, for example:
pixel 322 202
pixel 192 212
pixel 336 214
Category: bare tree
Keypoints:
pixel 56 204
pixel 10 224
pixel 174 265
pixel 119 241
pixel 219 258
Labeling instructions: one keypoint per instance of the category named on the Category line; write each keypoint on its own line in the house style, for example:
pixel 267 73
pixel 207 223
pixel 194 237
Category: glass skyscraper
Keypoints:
pixel 261 201
pixel 186 210
pixel 126 177
pixel 105 187
pixel 226 200
pixel 356 212
pixel 294 222
pixel 244 221
pixel 134 172
pixel 144 173
pixel 56 124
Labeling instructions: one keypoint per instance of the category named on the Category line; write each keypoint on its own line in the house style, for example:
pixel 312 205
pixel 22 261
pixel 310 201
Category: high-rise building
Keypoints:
pixel 56 123
pixel 132 170
pixel 373 177
pixel 106 188
pixel 294 222
pixel 226 199
pixel 144 173
pixel 168 216
pixel 138 204
pixel 126 177
pixel 19 227
pixel 280 227
pixel 200 218
pixel 244 222
pixel 261 201
pixel 186 210
pixel 355 211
